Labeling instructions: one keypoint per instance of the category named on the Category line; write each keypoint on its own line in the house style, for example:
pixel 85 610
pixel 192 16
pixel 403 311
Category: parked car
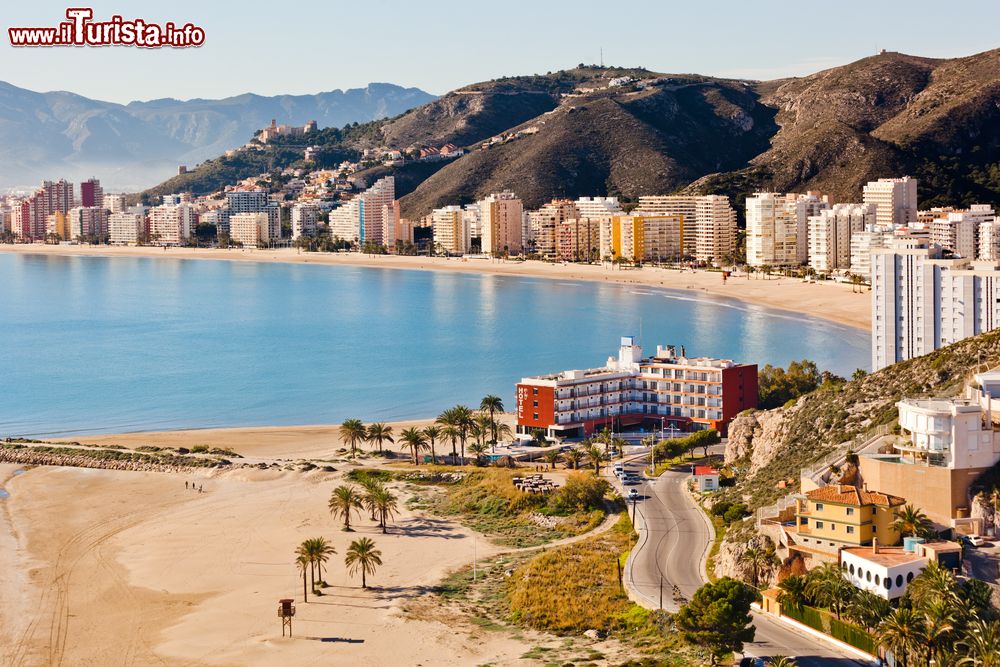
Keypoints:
pixel 975 540
pixel 619 468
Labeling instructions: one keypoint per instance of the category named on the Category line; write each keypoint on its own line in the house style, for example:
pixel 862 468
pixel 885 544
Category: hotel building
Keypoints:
pixel 451 230
pixel 662 391
pixel 709 223
pixel 921 302
pixel 125 228
pixel 895 200
pixel 501 219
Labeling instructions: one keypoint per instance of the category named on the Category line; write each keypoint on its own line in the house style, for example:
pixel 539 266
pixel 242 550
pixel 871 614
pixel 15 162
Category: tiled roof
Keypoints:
pixel 844 494
pixel 705 470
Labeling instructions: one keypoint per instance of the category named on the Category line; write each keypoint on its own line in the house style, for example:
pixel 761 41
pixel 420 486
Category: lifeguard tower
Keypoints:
pixel 286 610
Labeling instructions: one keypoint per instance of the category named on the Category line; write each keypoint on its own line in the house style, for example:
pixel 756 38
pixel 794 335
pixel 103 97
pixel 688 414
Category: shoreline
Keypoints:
pixel 832 302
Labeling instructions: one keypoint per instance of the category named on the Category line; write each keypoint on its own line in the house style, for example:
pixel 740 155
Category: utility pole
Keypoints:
pixel 661 592
pixel 475 560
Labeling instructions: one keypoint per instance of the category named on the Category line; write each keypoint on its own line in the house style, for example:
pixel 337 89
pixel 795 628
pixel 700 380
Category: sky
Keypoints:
pixel 311 46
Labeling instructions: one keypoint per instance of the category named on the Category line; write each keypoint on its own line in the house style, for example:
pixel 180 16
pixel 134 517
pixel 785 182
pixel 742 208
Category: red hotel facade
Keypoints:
pixel 662 391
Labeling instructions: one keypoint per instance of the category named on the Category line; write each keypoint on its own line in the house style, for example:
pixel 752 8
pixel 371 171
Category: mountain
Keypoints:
pixel 60 134
pixel 629 132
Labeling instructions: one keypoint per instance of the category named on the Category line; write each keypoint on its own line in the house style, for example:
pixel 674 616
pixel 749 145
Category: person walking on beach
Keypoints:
pixel 201 488
pixel 185 485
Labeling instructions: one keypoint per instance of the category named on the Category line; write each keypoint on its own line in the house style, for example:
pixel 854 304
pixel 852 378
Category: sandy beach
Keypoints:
pixel 836 302
pixel 154 573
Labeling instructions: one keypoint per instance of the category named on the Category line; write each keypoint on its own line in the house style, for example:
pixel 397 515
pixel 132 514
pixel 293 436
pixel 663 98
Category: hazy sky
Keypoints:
pixel 437 45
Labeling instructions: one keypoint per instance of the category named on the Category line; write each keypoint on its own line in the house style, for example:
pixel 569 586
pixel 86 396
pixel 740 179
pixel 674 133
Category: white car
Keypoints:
pixel 976 540
pixel 633 494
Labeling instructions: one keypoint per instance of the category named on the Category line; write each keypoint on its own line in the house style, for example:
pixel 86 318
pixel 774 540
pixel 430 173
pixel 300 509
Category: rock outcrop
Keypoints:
pixel 757 437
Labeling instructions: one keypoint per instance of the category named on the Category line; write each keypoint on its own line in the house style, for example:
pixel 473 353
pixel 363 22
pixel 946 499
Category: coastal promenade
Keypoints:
pixel 835 302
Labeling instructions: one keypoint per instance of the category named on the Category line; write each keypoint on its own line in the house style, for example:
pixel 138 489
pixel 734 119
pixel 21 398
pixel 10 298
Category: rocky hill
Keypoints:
pixel 572 133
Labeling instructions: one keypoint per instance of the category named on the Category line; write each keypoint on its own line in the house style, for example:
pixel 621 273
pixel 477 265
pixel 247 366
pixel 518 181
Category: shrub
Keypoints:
pixel 735 512
pixel 581 492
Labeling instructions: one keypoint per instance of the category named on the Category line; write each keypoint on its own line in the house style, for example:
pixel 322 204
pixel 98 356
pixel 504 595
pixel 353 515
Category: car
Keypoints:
pixel 633 495
pixel 976 540
pixel 619 468
pixel 629 480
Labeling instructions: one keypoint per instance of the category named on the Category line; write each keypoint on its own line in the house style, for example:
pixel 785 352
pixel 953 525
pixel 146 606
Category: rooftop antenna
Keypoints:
pixel 602 56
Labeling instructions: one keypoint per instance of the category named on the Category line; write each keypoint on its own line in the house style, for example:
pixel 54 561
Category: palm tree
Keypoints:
pixel 573 457
pixel 478 448
pixel 594 454
pixel 758 562
pixel 316 551
pixel 478 430
pixel 867 609
pixel 353 432
pixel 302 561
pixel 344 500
pixel 371 485
pixel 416 440
pixel 981 644
pixel 362 556
pixel 458 418
pixel 934 583
pixel 828 587
pixel 552 457
pixel 433 432
pixel 900 633
pixel 378 433
pixel 792 592
pixel 938 628
pixel 503 432
pixel 452 433
pixel 386 506
pixel 911 521
pixel 492 404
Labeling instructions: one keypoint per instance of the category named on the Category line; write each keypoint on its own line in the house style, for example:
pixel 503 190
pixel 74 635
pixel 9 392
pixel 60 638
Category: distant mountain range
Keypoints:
pixel 630 132
pixel 130 147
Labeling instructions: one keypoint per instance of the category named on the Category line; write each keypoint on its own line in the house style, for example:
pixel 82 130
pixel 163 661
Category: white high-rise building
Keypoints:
pixel 862 245
pixel 989 241
pixel 895 200
pixel 451 230
pixel 830 234
pixel 777 228
pixel 114 203
pixel 170 224
pixel 256 201
pixel 921 302
pixel 501 219
pixel 709 223
pixel 958 231
pixel 472 214
pixel 364 219
pixel 598 207
pixel 305 217
pixel 125 228
pixel 87 222
pixel 346 220
pixel 252 230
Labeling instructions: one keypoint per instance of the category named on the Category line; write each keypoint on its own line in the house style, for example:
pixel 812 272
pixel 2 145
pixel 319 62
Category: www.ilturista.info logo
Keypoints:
pixel 81 30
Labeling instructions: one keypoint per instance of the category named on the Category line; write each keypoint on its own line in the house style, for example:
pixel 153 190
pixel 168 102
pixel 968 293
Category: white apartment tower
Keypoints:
pixel 125 228
pixel 921 302
pixel 958 231
pixel 451 230
pixel 830 234
pixel 501 219
pixel 597 207
pixel 305 218
pixel 895 200
pixel 777 228
pixel 251 230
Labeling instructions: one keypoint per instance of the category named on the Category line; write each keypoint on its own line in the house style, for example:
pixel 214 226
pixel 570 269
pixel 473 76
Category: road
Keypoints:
pixel 674 539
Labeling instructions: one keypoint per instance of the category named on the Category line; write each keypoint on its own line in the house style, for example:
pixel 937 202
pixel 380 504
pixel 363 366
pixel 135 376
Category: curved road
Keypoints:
pixel 674 539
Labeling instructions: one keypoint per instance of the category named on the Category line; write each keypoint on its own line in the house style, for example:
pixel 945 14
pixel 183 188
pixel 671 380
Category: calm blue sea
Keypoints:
pixel 91 345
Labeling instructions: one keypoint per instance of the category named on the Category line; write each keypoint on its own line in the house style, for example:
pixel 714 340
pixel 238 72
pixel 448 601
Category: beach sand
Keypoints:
pixel 836 302
pixel 114 567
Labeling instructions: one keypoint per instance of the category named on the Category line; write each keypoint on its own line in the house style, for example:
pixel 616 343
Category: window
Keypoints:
pixel 868 576
pixel 909 577
pixel 850 511
pixel 878 580
pixel 535 390
pixel 819 525
pixel 850 530
pixel 535 416
pixel 851 569
pixel 899 580
pixel 819 507
pixel 888 583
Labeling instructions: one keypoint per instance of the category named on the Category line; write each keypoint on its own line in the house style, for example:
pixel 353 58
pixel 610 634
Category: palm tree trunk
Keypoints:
pixel 305 595
pixel 364 584
pixel 434 459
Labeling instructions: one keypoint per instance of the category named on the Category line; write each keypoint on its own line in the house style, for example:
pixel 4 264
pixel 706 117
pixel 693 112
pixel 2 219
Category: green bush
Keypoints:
pixel 581 492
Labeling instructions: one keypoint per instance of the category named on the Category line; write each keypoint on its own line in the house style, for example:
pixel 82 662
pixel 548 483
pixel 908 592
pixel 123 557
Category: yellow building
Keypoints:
pixel 644 238
pixel 836 516
pixel 58 224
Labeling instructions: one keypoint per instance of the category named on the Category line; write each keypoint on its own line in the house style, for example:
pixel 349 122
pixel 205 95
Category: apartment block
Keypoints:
pixel 125 228
pixel 451 230
pixel 114 203
pixel 895 200
pixel 91 194
pixel 830 234
pixel 862 245
pixel 57 227
pixel 251 230
pixel 777 228
pixel 579 239
pixel 170 224
pixel 544 224
pixel 665 391
pixel 643 238
pixel 89 223
pixel 921 302
pixel 305 219
pixel 958 231
pixel 597 207
pixel 709 223
pixel 501 219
